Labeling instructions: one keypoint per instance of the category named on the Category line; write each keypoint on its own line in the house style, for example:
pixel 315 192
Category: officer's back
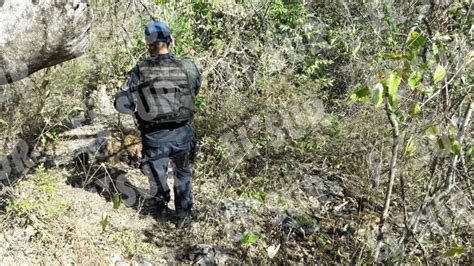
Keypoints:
pixel 160 93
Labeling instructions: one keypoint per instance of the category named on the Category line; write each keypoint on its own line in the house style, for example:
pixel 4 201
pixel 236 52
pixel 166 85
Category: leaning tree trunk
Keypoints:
pixel 35 34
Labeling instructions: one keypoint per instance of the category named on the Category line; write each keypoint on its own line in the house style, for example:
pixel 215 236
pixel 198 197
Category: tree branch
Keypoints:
pixel 392 171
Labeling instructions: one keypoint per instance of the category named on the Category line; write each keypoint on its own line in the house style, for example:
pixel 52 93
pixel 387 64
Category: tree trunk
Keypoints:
pixel 35 34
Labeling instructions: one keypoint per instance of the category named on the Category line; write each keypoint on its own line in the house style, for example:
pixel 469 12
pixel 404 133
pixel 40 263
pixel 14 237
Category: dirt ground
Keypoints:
pixel 64 213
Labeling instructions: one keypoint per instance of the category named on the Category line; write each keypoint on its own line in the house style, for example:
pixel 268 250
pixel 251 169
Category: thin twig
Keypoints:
pixel 451 176
pixel 392 171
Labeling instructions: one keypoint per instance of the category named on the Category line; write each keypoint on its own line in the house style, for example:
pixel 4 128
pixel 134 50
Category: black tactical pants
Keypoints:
pixel 161 147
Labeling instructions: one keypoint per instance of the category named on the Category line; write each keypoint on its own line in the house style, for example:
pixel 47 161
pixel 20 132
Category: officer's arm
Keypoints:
pixel 198 80
pixel 124 102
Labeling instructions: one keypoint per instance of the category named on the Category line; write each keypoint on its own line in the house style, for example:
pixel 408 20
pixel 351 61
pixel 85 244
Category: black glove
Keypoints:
pixel 195 145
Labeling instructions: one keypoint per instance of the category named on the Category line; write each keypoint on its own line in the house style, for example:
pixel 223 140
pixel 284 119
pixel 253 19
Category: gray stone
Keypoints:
pixel 145 263
pixel 38 34
pixel 204 254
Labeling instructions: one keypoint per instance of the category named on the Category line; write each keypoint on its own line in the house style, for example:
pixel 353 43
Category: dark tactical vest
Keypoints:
pixel 166 92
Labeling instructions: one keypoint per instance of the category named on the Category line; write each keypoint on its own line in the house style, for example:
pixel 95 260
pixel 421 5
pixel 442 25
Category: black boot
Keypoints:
pixel 163 213
pixel 158 209
pixel 184 217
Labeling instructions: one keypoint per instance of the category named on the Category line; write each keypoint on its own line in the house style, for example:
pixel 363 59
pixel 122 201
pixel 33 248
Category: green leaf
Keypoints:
pixel 117 200
pixel 258 196
pixel 3 122
pixel 413 45
pixel 393 84
pixel 427 91
pixel 391 113
pixel 432 131
pixel 415 109
pixel 414 79
pixel 455 250
pixel 199 101
pixel 440 144
pixel 377 97
pixel 361 94
pixel 456 147
pixel 470 151
pixel 470 154
pixel 439 74
pixel 248 238
pixel 379 58
pixel 410 148
pixel 104 221
pixel 392 99
pixel 453 132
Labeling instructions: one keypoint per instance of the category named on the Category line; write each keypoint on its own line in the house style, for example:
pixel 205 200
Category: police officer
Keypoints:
pixel 160 93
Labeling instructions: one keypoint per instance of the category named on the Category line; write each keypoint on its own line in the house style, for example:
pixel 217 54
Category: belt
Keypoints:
pixel 152 127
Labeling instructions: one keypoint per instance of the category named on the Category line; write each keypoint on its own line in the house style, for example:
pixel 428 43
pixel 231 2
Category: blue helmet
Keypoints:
pixel 157 31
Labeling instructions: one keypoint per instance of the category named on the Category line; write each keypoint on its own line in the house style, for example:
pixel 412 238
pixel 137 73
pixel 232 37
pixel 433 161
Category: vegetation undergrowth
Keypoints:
pixel 374 96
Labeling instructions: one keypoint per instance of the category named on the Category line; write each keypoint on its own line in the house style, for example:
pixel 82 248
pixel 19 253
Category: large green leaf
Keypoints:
pixel 377 96
pixel 414 79
pixel 439 74
pixel 361 94
pixel 413 45
pixel 393 84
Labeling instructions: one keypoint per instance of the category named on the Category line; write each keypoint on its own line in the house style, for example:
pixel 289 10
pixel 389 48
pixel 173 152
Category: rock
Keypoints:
pixel 272 251
pixel 103 103
pixel 115 258
pixel 301 224
pixel 122 263
pixel 144 263
pixel 207 255
pixel 80 144
pixel 38 34
pixel 238 208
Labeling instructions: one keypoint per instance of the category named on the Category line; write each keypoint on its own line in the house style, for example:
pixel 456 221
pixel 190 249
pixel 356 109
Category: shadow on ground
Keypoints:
pixel 109 181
